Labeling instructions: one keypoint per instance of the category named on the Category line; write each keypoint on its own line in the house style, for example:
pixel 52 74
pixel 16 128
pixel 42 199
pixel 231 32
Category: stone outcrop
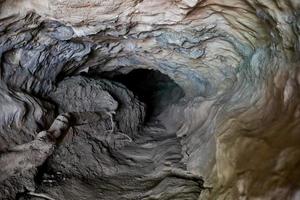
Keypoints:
pixel 185 99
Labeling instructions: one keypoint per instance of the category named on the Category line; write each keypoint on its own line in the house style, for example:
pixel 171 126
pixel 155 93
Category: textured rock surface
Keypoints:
pixel 187 99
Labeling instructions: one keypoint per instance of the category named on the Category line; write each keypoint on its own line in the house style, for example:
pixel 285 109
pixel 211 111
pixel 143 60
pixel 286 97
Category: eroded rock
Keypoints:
pixel 183 99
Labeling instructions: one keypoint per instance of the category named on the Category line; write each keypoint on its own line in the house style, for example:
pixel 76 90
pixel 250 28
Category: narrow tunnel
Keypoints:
pixel 156 100
pixel 155 89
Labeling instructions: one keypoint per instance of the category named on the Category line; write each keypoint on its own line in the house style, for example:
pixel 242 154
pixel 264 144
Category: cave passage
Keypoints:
pixel 155 89
pixel 156 100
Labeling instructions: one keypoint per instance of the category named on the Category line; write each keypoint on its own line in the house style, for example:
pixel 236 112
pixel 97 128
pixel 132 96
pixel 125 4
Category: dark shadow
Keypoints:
pixel 152 87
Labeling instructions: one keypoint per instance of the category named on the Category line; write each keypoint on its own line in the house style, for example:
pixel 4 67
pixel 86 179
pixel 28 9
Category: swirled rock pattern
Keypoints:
pixel 169 99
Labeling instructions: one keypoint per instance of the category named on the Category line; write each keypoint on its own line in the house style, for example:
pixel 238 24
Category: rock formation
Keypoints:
pixel 165 99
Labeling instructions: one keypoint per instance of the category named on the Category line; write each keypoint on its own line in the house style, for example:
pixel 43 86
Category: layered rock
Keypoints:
pixel 170 99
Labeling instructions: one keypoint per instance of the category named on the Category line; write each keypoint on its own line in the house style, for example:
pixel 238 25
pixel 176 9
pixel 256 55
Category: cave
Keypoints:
pixel 149 100
pixel 158 91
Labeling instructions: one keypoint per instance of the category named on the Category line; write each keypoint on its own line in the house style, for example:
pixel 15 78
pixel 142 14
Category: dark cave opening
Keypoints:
pixel 155 89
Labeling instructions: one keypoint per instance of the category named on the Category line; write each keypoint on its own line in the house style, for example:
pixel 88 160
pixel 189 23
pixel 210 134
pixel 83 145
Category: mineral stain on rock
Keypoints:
pixel 145 100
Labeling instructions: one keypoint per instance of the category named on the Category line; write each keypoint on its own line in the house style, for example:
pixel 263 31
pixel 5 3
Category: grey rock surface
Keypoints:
pixel 187 99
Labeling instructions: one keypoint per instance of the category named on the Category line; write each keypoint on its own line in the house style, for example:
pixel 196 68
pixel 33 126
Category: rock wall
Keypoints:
pixel 185 99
